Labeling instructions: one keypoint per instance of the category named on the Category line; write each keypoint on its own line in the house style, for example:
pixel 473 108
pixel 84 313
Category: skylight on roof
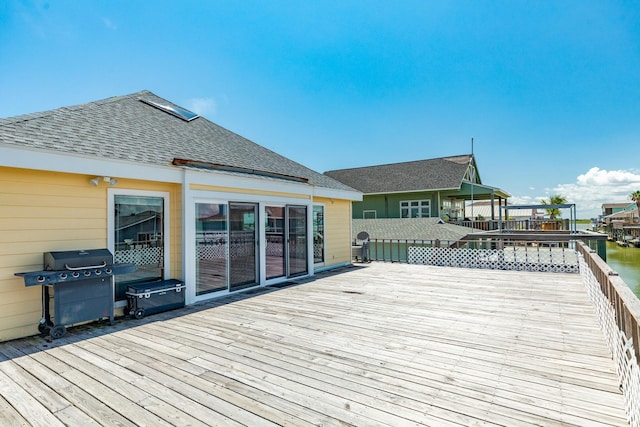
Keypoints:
pixel 182 113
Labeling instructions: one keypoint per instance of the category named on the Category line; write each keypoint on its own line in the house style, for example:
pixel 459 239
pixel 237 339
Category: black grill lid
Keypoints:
pixel 68 260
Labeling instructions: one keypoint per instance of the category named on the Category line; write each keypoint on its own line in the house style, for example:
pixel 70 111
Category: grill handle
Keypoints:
pixel 104 264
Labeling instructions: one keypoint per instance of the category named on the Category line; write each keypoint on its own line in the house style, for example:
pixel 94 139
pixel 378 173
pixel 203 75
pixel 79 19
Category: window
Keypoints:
pixel 138 235
pixel 318 234
pixel 415 209
pixel 182 113
pixel 370 214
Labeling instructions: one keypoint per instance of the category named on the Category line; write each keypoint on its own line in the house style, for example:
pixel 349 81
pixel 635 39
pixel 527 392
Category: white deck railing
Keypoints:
pixel 623 349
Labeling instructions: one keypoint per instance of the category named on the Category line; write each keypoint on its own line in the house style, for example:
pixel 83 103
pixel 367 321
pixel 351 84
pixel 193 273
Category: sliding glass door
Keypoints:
pixel 243 246
pixel 297 251
pixel 212 236
pixel 275 239
pixel 228 248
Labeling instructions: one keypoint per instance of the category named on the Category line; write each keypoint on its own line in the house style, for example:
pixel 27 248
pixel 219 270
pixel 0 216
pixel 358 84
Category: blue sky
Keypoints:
pixel 549 90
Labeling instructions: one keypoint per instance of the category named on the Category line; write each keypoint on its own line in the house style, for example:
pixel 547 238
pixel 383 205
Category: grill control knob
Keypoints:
pixel 75 274
pixel 40 279
pixel 87 273
pixel 108 271
pixel 63 276
pixel 98 272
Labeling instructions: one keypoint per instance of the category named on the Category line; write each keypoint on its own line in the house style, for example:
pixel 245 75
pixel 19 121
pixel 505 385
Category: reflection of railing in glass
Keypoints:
pixel 140 252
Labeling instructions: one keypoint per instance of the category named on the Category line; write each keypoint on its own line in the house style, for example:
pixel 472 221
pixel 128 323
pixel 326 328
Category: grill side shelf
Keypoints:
pixel 47 277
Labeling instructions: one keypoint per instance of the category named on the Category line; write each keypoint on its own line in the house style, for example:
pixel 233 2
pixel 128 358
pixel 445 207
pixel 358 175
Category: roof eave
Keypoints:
pixel 412 191
pixel 47 160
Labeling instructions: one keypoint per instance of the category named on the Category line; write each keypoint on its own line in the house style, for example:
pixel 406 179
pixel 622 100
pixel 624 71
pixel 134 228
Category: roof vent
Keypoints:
pixel 179 112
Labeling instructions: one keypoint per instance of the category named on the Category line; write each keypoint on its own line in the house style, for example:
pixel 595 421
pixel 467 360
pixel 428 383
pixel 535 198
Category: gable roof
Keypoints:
pixel 129 129
pixel 445 173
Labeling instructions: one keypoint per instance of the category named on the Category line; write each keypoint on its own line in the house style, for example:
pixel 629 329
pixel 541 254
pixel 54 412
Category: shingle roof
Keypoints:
pixel 409 229
pixel 124 128
pixel 420 175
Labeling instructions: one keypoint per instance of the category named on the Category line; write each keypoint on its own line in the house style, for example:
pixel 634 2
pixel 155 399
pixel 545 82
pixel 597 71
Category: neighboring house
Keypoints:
pixel 628 214
pixel 161 187
pixel 418 189
pixel 612 208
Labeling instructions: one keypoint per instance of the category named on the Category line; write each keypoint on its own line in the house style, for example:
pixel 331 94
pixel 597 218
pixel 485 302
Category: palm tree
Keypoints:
pixel 635 196
pixel 556 199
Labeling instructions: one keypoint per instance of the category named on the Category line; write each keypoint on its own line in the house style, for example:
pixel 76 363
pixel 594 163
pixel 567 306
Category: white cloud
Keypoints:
pixel 109 24
pixel 202 106
pixel 595 187
pixel 597 176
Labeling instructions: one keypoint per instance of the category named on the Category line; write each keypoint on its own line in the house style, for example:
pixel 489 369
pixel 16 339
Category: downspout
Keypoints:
pixel 386 207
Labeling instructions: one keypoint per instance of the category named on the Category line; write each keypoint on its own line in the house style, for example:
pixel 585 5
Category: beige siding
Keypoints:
pixel 235 190
pixel 337 230
pixel 46 211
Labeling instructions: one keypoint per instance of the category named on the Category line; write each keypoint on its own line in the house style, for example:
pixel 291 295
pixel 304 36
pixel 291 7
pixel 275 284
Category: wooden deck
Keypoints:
pixel 382 344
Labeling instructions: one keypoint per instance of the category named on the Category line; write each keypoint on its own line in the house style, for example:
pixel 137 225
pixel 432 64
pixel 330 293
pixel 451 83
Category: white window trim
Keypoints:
pixel 166 229
pixel 409 207
pixel 191 197
pixel 375 213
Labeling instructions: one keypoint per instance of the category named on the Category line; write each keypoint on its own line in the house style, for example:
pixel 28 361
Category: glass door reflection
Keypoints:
pixel 211 247
pixel 297 252
pixel 274 233
pixel 243 245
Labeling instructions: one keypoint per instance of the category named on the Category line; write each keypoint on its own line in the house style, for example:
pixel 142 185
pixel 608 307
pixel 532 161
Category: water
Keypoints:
pixel 626 261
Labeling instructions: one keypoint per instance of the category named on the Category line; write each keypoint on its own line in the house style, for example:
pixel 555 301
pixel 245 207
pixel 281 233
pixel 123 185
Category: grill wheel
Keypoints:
pixel 57 331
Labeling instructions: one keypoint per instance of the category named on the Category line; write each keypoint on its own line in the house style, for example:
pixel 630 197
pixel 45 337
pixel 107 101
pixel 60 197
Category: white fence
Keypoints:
pixel 620 347
pixel 523 258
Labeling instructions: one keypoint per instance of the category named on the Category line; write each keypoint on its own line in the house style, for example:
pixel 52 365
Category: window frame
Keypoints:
pixel 166 229
pixel 366 211
pixel 324 235
pixel 419 205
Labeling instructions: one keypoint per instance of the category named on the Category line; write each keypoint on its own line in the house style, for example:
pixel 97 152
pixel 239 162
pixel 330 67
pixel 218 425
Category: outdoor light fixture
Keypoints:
pixel 95 181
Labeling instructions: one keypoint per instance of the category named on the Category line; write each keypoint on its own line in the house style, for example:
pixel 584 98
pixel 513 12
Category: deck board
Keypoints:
pixel 383 344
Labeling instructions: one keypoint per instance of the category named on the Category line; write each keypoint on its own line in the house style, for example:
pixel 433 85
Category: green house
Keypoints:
pixel 419 189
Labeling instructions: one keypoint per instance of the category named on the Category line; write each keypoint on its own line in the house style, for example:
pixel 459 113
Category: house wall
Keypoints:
pixel 337 231
pixel 46 211
pixel 388 206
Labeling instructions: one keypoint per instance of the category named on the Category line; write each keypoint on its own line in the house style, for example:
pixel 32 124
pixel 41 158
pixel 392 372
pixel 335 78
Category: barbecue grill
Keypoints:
pixel 80 284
